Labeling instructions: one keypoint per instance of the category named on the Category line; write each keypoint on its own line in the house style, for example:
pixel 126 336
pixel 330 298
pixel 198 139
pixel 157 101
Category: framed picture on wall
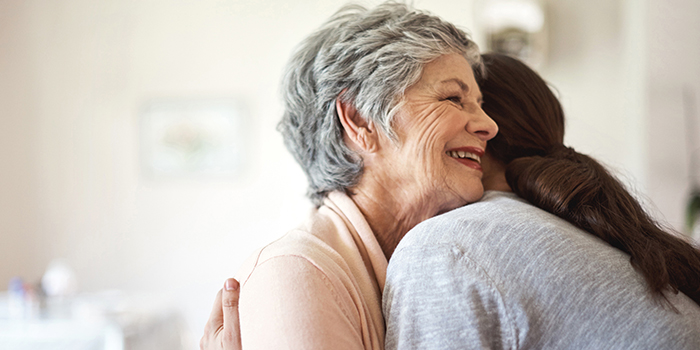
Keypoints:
pixel 193 138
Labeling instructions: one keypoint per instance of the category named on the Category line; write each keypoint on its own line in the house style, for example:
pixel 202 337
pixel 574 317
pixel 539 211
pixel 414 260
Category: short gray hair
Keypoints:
pixel 366 57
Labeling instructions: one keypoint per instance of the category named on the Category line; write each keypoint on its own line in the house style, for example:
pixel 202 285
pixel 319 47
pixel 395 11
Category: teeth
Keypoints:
pixel 462 154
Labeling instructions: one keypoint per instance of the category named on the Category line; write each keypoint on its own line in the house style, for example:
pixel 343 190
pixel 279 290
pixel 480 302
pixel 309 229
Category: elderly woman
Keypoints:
pixel 384 115
pixel 556 255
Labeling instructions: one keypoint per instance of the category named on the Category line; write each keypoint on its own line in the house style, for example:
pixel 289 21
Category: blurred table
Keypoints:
pixel 109 321
pixel 44 334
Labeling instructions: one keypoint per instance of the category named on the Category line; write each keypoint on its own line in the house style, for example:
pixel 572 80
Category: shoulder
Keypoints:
pixel 513 246
pixel 440 296
pixel 298 273
pixel 495 217
pixel 313 243
pixel 314 256
pixel 293 301
pixel 507 236
pixel 298 251
pixel 300 291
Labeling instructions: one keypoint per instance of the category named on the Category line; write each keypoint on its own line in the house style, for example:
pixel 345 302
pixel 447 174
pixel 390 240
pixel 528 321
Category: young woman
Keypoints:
pixel 556 255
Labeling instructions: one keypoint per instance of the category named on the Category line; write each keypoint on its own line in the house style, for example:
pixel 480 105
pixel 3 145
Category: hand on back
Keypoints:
pixel 223 330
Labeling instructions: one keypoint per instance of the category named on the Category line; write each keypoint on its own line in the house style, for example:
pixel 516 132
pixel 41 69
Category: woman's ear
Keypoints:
pixel 359 134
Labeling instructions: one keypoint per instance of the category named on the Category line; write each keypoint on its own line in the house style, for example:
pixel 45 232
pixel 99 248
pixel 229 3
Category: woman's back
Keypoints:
pixel 502 273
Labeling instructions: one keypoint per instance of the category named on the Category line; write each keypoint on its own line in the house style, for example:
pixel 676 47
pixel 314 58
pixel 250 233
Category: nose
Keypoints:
pixel 482 125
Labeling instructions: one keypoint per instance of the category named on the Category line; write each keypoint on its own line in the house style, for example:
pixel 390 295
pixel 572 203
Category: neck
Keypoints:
pixel 497 183
pixel 494 174
pixel 389 217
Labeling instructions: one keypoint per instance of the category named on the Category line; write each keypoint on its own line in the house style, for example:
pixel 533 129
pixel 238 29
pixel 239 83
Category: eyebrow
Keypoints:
pixel 464 87
pixel 459 82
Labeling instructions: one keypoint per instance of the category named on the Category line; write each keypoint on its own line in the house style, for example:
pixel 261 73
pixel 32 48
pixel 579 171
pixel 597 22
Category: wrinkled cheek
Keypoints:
pixel 426 152
pixel 433 168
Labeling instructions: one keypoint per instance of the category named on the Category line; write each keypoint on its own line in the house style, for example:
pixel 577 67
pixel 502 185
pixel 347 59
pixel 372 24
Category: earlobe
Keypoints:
pixel 360 135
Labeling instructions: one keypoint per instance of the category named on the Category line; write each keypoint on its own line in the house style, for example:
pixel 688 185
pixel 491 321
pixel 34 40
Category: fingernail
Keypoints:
pixel 231 284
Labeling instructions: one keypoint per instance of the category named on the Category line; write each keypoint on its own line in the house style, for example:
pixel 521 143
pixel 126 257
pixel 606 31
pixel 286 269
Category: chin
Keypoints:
pixel 473 194
pixel 462 199
pixel 468 189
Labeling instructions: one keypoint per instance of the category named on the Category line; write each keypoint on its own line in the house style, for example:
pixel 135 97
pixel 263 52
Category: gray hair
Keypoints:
pixel 365 57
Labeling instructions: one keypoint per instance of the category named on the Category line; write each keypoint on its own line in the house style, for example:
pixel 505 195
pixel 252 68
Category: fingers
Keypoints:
pixel 223 331
pixel 232 327
pixel 216 318
pixel 213 326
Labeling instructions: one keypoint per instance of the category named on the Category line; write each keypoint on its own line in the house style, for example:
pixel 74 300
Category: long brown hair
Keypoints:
pixel 573 186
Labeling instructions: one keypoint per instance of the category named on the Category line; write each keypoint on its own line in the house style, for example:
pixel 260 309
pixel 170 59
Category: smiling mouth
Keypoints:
pixel 464 155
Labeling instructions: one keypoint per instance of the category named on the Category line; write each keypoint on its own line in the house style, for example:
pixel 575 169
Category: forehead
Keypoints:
pixel 451 69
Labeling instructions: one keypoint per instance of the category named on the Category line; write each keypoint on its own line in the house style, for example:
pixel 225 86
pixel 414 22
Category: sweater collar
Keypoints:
pixel 359 227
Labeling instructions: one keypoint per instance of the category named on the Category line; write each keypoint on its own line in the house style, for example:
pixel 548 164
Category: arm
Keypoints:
pixel 288 303
pixel 437 298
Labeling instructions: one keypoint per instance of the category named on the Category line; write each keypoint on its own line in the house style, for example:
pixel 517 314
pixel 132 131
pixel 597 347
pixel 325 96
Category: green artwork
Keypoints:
pixel 692 214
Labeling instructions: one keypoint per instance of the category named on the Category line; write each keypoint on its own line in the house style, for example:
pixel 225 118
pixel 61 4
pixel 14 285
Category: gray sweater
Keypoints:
pixel 503 274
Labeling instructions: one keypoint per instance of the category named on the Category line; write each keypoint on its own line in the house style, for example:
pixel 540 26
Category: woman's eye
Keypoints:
pixel 455 99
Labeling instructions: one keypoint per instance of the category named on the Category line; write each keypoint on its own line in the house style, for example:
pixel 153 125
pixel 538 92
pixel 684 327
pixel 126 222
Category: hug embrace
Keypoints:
pixel 451 165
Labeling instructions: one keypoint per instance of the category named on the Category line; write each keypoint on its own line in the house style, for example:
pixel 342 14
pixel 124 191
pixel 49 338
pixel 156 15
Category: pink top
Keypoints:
pixel 317 287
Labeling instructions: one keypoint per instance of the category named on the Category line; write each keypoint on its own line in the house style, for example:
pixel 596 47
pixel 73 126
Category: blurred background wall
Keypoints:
pixel 74 75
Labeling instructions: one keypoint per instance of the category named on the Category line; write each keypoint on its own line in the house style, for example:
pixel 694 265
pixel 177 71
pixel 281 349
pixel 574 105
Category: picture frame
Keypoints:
pixel 191 138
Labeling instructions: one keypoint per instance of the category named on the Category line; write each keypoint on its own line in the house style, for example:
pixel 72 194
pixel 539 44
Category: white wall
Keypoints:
pixel 18 125
pixel 74 73
pixel 673 55
pixel 587 65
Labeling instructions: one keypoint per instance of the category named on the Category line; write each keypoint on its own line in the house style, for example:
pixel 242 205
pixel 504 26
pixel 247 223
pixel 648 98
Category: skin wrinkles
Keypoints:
pixel 448 91
pixel 411 180
pixel 462 93
pixel 429 115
